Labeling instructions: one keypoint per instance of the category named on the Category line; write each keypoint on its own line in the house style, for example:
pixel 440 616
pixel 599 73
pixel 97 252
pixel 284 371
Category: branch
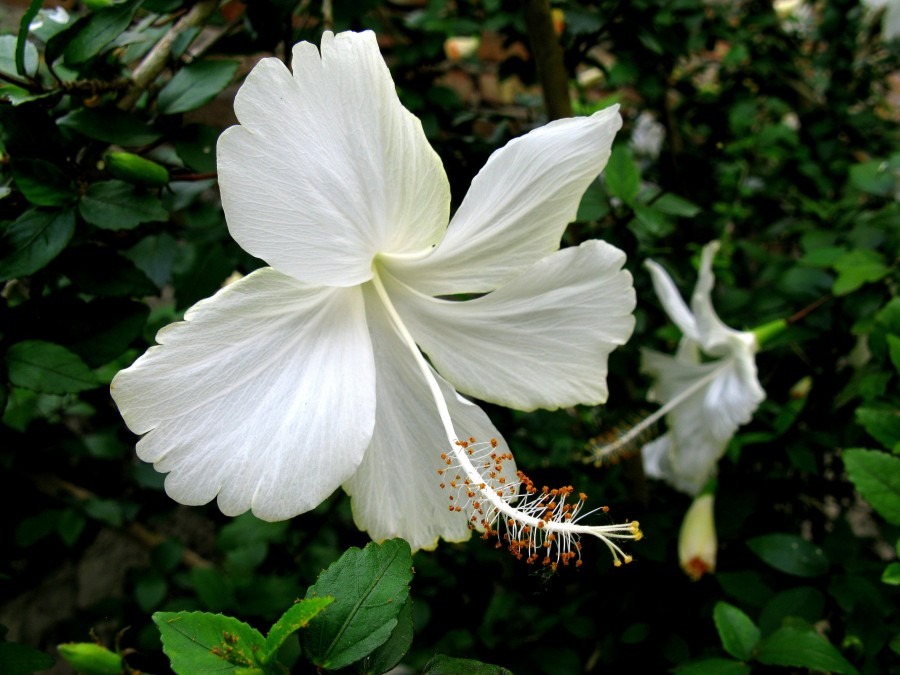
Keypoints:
pixel 548 58
pixel 154 63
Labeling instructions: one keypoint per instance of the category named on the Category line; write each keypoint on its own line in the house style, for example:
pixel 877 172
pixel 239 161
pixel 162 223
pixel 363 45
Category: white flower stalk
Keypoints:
pixel 310 374
pixel 704 400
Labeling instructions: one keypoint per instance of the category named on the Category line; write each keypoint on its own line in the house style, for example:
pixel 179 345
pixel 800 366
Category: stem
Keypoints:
pixel 548 58
pixel 154 63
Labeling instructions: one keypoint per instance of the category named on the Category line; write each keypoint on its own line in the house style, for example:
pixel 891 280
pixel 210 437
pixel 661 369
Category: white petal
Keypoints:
pixel 725 394
pixel 714 335
pixel 541 341
pixel 517 207
pixel 264 396
pixel 671 301
pixel 327 168
pixel 396 490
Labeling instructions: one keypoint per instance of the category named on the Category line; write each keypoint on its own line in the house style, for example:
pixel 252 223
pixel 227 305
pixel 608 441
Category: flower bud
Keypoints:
pixel 134 169
pixel 697 540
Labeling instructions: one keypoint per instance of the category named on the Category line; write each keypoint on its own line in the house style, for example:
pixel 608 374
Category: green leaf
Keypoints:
pixel 874 177
pixel 369 587
pixel 99 270
pixel 650 222
pixel 97 30
pixel 804 602
pixel 196 146
pixel 391 652
pixel 622 178
pixel 22 38
pixel 105 328
pixel 49 368
pixel 70 526
pixel 195 85
pixel 857 268
pixel 714 667
pixel 893 343
pixel 19 659
pixel 882 425
pixel 297 617
pixel 42 183
pixel 446 665
pixel 135 169
pixel 673 205
pixel 33 240
pixel 798 648
pixel 891 574
pixel 90 658
pixel 198 643
pixel 594 204
pixel 790 554
pixel 115 205
pixel 150 590
pixel 876 475
pixel 8 45
pixel 109 125
pixel 738 633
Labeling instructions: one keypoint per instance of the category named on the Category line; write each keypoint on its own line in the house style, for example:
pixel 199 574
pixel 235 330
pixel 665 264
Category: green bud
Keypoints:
pixel 91 659
pixel 134 169
pixel 767 331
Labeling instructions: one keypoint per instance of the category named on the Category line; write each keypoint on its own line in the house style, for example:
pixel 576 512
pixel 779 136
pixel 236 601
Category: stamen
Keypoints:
pixel 548 520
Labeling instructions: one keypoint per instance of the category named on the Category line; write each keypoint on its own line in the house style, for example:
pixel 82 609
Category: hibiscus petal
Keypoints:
pixel 396 490
pixel 264 396
pixel 327 168
pixel 714 335
pixel 517 207
pixel 541 341
pixel 671 301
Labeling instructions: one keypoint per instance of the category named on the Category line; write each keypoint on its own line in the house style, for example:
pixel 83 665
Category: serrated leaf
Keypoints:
pixel 97 30
pixel 198 643
pixel 109 125
pixel 876 475
pixel 195 85
pixel 369 587
pixel 116 205
pixel 391 652
pixel 48 368
pixel 738 633
pixel 446 665
pixel 714 667
pixel 798 648
pixel 33 240
pixel 790 554
pixel 882 425
pixel 621 176
pixel 43 183
pixel 297 617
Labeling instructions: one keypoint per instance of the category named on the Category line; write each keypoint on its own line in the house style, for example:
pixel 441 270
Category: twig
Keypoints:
pixel 154 63
pixel 548 58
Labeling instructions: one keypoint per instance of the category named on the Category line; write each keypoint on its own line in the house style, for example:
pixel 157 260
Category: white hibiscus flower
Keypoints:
pixel 307 375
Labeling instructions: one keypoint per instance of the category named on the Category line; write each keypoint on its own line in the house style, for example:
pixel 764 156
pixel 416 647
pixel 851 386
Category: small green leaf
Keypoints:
pixel 90 658
pixel 95 31
pixel 48 368
pixel 19 659
pixel 622 178
pixel 115 205
pixel 874 177
pixel 135 169
pixel 714 667
pixel 882 425
pixel 369 587
pixel 22 39
pixel 70 526
pixel 738 633
pixel 198 643
pixel 297 617
pixel 109 125
pixel 798 648
pixel 43 183
pixel 877 477
pixel 150 590
pixel 803 602
pixel 195 85
pixel 33 240
pixel 857 268
pixel 790 554
pixel 891 574
pixel 99 270
pixel 8 45
pixel 893 342
pixel 196 145
pixel 673 205
pixel 650 222
pixel 446 665
pixel 594 204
